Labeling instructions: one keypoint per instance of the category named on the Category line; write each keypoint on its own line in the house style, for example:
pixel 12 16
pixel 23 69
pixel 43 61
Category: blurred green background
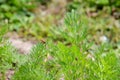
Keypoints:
pixel 37 19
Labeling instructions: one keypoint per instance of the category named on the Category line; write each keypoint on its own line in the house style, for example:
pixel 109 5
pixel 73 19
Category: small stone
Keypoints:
pixel 103 39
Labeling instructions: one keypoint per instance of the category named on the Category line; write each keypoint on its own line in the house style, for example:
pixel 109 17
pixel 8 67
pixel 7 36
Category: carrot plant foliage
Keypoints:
pixel 78 60
pixel 9 59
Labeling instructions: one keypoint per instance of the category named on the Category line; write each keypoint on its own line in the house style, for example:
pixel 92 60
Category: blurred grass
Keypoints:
pixel 33 19
pixel 37 19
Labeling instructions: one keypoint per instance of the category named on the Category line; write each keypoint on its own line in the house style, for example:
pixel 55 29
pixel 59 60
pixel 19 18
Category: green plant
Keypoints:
pixel 98 4
pixel 14 12
pixel 19 16
pixel 9 58
pixel 76 61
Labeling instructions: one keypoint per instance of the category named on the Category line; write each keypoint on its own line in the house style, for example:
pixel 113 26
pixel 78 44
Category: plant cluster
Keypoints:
pixel 78 60
pixel 9 58
pixel 20 13
pixel 94 3
pixel 14 12
pixel 19 16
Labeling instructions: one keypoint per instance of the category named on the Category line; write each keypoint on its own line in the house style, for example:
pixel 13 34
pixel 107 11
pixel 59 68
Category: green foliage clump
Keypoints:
pixel 93 3
pixel 9 58
pixel 79 60
pixel 15 13
pixel 19 16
